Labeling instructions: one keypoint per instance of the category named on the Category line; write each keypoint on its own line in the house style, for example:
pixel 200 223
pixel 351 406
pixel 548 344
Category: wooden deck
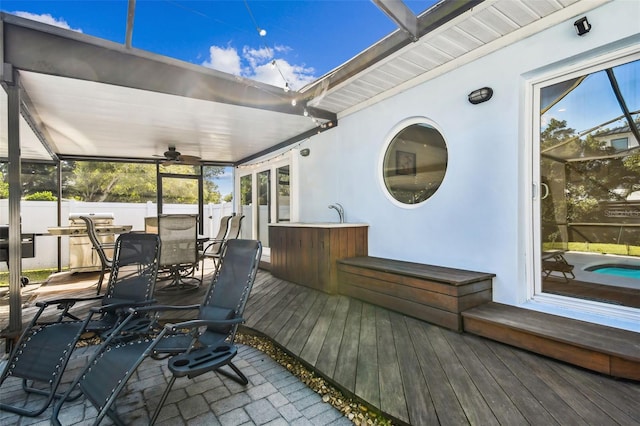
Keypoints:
pixel 422 374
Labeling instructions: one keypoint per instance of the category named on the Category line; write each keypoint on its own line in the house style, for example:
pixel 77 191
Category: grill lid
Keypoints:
pixel 76 216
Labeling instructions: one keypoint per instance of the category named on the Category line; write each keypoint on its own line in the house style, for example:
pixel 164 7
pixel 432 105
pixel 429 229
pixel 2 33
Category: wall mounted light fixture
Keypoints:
pixel 305 152
pixel 480 95
pixel 582 26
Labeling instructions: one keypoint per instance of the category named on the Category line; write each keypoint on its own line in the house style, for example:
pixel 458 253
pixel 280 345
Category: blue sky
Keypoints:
pixel 307 39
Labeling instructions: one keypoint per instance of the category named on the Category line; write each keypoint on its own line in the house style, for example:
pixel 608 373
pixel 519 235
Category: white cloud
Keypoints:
pixel 224 59
pixel 256 64
pixel 46 18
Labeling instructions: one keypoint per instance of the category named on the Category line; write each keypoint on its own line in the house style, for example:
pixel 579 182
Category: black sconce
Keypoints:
pixel 480 95
pixel 582 26
pixel 305 152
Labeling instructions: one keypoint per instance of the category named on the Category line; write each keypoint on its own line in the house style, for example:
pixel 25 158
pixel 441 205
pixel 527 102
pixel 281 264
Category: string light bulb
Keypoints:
pixel 286 86
pixel 294 102
pixel 262 32
pixel 306 113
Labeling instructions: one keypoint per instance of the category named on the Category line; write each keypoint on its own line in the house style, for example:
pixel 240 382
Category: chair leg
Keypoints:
pixel 156 413
pixel 100 279
pixel 239 377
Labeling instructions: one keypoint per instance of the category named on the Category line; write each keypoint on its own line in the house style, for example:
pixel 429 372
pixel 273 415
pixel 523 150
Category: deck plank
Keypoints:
pixel 257 312
pixel 303 331
pixel 498 400
pixel 590 413
pixel 448 409
pixel 271 323
pixel 346 365
pixel 562 412
pixel 285 311
pixel 292 324
pixel 418 400
pixel 624 395
pixel 328 356
pixel 367 372
pixel 471 399
pixel 581 384
pixel 523 399
pixel 392 397
pixel 316 337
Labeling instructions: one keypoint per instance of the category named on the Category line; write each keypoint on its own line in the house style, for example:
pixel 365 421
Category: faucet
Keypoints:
pixel 339 209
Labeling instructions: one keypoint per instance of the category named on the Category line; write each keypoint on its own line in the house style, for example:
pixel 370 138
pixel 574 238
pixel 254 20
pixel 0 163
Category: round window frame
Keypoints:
pixel 395 130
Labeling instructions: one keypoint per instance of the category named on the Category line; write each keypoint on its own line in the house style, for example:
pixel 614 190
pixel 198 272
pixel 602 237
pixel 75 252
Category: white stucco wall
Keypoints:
pixel 479 219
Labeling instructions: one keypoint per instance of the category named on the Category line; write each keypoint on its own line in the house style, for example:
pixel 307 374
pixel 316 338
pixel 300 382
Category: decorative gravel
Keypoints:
pixel 354 410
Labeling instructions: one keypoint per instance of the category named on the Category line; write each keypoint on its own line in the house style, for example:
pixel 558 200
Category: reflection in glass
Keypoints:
pixel 283 195
pixel 264 202
pixel 415 164
pixel 246 194
pixel 590 172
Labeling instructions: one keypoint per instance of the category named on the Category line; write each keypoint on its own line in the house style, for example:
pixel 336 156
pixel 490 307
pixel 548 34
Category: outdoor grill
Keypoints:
pixel 82 256
pixel 28 247
pixel 28 244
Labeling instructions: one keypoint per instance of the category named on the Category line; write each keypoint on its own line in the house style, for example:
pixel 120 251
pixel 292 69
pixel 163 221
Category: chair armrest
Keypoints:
pixel 121 306
pixel 210 244
pixel 174 327
pixel 162 308
pixel 66 301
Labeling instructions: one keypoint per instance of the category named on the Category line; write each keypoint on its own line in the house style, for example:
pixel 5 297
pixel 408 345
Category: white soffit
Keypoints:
pixel 484 27
pixel 30 145
pixel 83 118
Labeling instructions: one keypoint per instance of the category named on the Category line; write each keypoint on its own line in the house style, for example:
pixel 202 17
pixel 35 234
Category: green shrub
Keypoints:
pixel 41 196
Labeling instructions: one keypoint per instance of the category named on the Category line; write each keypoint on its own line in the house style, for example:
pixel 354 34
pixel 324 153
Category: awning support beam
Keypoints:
pixel 398 11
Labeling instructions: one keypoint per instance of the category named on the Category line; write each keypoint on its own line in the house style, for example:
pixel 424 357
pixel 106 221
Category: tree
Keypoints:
pixel 98 181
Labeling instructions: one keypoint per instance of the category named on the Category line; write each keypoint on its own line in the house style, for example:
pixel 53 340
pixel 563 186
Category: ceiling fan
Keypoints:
pixel 172 157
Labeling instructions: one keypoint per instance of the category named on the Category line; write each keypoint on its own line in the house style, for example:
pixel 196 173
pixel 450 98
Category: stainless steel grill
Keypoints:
pixel 82 256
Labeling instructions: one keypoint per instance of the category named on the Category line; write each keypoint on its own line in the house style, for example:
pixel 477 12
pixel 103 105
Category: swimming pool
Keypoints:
pixel 619 270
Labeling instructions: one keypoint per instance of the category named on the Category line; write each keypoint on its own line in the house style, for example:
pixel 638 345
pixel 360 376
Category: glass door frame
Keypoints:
pixel 199 178
pixel 290 159
pixel 591 310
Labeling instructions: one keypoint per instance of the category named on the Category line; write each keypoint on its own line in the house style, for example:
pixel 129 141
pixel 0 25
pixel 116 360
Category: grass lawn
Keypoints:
pixel 35 276
pixel 619 249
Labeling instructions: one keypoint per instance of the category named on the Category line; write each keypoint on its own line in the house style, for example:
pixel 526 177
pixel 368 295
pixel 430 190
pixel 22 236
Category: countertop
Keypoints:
pixel 319 224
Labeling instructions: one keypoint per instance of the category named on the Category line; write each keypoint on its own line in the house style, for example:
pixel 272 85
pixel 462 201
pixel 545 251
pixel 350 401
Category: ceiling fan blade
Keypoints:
pixel 189 159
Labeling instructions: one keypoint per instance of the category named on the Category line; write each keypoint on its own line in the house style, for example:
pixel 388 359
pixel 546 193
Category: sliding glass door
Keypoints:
pixel 589 174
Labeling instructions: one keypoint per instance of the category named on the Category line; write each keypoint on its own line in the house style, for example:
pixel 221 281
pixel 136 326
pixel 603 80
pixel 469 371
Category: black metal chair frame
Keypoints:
pixel 45 347
pixel 105 261
pixel 215 249
pixel 194 347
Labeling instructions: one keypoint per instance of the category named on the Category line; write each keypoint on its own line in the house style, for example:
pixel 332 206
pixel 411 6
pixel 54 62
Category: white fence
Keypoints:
pixel 39 216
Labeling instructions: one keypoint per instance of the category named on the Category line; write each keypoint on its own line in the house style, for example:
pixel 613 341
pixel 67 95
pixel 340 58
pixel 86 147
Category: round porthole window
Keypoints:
pixel 415 163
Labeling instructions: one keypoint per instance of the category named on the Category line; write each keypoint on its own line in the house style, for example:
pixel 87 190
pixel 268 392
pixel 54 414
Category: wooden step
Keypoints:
pixel 599 348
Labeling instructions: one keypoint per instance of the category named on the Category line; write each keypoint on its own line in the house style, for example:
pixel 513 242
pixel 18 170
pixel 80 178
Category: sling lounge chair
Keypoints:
pixel 197 346
pixel 45 347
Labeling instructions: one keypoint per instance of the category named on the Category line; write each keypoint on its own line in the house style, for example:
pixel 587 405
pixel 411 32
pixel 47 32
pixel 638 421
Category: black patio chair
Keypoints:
pixel 197 346
pixel 45 347
pixel 106 263
pixel 213 248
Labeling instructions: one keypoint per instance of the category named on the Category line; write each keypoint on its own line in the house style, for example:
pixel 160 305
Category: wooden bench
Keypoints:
pixel 431 293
